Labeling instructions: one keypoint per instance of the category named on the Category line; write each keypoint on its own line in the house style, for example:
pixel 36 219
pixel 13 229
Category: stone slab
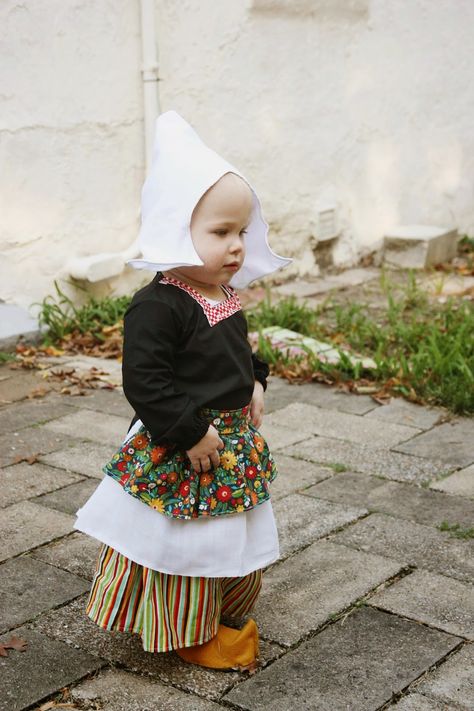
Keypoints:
pixel 279 436
pixel 448 442
pixel 26 525
pixel 314 585
pixel 112 402
pixel 23 481
pixel 85 458
pixel 309 419
pixel 281 392
pixel 302 519
pixel 87 424
pixel 400 500
pixel 29 587
pixel 16 321
pixel 70 498
pixel 76 553
pixel 453 681
pixel 355 664
pixel 70 624
pixel 461 483
pixel 45 667
pixel 118 690
pixel 28 442
pixel 295 474
pixel 413 544
pixel 369 460
pixel 432 599
pixel 24 414
pixel 417 702
pixel 402 412
pixel 15 386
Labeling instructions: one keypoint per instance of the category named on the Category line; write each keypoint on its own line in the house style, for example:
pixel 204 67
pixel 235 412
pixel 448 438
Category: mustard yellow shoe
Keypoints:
pixel 229 649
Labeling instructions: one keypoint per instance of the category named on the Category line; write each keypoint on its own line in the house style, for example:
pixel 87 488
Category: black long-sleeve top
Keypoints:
pixel 175 362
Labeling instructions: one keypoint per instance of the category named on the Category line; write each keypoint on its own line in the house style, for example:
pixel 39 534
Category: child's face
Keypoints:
pixel 218 226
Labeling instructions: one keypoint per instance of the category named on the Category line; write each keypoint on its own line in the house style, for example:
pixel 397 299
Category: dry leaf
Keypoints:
pixel 31 459
pixel 13 643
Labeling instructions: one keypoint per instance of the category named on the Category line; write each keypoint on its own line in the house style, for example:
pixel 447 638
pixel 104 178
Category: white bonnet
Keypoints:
pixel 183 168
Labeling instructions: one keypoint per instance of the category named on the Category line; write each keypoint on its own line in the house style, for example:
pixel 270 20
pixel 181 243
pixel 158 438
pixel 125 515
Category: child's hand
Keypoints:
pixel 257 404
pixel 204 454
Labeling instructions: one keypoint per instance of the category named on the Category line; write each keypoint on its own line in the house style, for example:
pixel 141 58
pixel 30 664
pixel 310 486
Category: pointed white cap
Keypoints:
pixel 183 168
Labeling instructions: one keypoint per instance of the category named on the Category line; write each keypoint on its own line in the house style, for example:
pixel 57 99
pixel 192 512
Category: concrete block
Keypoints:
pixel 357 663
pixel 303 592
pixel 411 543
pixel 419 246
pixel 433 599
pixel 453 681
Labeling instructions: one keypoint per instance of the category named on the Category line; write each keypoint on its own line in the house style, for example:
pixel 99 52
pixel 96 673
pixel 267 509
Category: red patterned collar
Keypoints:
pixel 214 312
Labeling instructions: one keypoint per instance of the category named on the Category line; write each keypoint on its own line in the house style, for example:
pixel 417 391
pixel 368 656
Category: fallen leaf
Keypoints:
pixel 13 643
pixel 32 459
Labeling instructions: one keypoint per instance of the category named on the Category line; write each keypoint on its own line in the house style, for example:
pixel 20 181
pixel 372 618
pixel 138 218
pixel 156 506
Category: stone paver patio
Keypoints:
pixel 371 605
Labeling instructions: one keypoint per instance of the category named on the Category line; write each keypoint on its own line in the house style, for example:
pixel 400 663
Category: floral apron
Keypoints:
pixel 163 477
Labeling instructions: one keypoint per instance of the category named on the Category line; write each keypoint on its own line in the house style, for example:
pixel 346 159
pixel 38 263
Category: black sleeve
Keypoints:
pixel 260 370
pixel 150 337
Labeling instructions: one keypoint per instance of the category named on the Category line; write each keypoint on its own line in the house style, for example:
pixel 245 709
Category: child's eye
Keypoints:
pixel 220 232
pixel 243 232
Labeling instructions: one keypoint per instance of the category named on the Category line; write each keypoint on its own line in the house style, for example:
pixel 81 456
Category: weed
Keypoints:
pixel 456 529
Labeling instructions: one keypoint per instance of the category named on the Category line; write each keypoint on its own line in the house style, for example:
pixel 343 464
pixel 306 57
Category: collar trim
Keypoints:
pixel 214 312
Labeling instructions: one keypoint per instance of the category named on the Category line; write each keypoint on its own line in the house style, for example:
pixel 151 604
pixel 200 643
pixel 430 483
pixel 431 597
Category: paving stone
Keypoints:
pixel 86 458
pixel 417 702
pixel 308 419
pixel 281 392
pixel 295 474
pixel 112 402
pixel 453 681
pixel 28 442
pixel 16 386
pixel 117 690
pixel 76 553
pixel 87 424
pixel 355 664
pixel 29 587
pixel 461 483
pixel 24 414
pixel 401 500
pixel 369 460
pixel 70 624
pixel 70 498
pixel 279 436
pixel 433 599
pixel 26 525
pixel 412 543
pixel 449 442
pixel 21 481
pixel 302 519
pixel 315 584
pixel 111 369
pixel 403 412
pixel 45 667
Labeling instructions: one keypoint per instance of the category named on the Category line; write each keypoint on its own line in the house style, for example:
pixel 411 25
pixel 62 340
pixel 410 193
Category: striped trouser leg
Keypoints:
pixel 239 595
pixel 168 611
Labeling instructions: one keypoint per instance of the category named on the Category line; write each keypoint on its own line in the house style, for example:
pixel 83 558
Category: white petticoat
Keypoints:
pixel 212 547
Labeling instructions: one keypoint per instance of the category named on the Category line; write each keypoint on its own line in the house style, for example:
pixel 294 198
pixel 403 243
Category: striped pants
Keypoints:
pixel 168 611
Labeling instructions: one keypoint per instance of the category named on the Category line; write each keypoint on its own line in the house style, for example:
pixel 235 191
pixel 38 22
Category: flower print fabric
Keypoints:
pixel 163 477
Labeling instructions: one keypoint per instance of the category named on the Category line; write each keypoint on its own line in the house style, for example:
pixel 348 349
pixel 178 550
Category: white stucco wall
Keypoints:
pixel 367 104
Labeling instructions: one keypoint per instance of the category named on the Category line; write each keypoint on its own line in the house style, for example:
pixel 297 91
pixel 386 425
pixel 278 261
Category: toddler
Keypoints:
pixel 184 512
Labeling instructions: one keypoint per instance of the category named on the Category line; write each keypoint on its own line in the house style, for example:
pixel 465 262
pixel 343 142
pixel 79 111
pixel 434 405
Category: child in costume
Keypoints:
pixel 184 512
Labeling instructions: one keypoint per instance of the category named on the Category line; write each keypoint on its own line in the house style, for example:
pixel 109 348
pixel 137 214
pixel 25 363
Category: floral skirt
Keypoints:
pixel 163 477
pixel 167 611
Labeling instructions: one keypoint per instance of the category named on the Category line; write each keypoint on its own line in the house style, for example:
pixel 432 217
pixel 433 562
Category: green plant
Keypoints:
pixel 456 529
pixel 61 316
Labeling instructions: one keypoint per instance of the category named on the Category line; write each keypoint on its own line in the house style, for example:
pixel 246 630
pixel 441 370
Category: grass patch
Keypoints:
pixel 456 529
pixel 6 357
pixel 423 350
pixel 62 318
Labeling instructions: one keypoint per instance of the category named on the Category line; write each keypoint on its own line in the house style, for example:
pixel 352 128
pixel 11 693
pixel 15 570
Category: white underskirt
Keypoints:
pixel 212 547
